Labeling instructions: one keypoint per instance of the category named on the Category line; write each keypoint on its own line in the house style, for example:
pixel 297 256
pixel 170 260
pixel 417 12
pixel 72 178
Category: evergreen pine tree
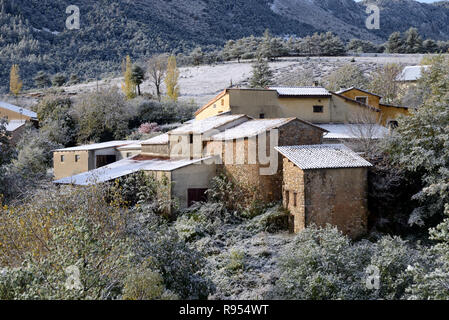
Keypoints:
pixel 262 74
pixel 41 80
pixel 138 76
pixel 395 43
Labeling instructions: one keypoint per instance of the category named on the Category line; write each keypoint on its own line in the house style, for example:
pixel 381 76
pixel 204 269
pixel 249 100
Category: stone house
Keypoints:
pixel 248 154
pixel 325 184
pixel 259 153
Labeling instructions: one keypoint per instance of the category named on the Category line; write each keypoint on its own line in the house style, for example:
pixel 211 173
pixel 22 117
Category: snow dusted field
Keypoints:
pixel 204 82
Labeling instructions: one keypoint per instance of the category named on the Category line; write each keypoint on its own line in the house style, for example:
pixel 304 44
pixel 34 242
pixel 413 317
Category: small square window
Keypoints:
pixel 62 158
pixel 318 109
pixel 362 99
pixel 77 158
pixel 129 154
pixel 262 116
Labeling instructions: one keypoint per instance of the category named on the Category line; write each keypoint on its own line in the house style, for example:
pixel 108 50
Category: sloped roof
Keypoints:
pixel 250 128
pixel 99 146
pixel 205 125
pixel 17 109
pixel 354 131
pixel 13 125
pixel 255 127
pixel 161 139
pixel 325 156
pixel 412 73
pixel 302 91
pixel 126 167
pixel 218 97
pixel 362 90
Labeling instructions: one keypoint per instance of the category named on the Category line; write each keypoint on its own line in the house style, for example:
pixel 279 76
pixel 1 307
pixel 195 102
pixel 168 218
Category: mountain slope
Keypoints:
pixel 33 32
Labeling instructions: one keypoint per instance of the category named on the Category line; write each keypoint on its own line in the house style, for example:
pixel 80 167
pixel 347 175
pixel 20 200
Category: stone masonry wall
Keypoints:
pixel 337 197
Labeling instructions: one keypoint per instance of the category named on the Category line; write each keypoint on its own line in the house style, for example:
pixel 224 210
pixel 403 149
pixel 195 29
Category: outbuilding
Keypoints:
pixel 325 184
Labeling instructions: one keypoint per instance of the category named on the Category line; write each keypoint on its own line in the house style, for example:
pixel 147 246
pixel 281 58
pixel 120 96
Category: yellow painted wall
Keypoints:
pixel 392 113
pixel 69 167
pixel 302 108
pixel 11 115
pixel 216 107
pixel 373 100
pixel 343 111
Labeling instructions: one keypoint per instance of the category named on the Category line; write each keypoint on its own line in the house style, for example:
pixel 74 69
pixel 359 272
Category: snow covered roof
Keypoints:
pixel 17 109
pixel 160 139
pixel 362 90
pixel 99 146
pixel 205 125
pixel 324 156
pixel 354 131
pixel 250 128
pixel 13 125
pixel 134 146
pixel 412 73
pixel 302 91
pixel 126 167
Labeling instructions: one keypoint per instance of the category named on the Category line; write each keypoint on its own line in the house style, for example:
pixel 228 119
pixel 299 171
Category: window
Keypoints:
pixel 191 138
pixel 318 109
pixel 77 158
pixel 295 203
pixel 262 116
pixel 287 198
pixel 222 102
pixel 362 99
pixel 129 154
pixel 393 124
pixel 62 158
pixel 215 105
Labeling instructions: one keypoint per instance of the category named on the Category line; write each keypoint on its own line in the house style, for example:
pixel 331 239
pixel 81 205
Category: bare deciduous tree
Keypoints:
pixel 157 69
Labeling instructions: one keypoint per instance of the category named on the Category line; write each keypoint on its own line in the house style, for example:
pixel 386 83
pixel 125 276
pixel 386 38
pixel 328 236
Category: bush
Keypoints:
pixel 321 263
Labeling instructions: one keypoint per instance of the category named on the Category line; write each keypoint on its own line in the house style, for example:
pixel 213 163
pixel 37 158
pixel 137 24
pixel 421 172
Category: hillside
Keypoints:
pixel 33 32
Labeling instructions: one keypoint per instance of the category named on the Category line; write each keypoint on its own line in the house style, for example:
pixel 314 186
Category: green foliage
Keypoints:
pixel 420 145
pixel 42 80
pixel 236 261
pixel 322 264
pixel 346 76
pixel 262 75
pixel 56 120
pixel 146 285
pixel 59 80
pixel 102 116
pixel 384 83
pixel 243 200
